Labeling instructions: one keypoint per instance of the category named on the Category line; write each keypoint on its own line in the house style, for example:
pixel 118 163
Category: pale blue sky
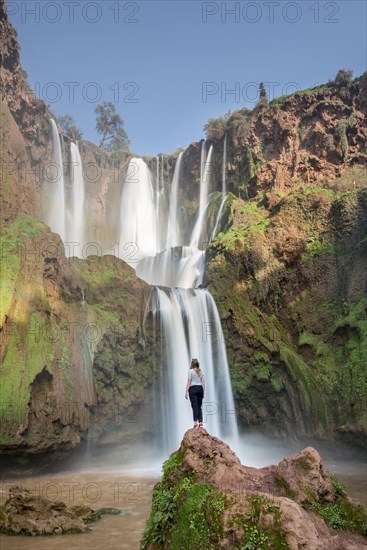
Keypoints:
pixel 170 65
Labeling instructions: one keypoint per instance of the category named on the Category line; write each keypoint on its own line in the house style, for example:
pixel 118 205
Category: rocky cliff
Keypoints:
pixel 24 131
pixel 312 136
pixel 290 284
pixel 73 347
pixel 208 499
pixel 288 270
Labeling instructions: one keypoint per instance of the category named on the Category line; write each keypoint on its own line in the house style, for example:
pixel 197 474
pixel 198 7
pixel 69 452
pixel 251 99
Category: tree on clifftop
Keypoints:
pixel 71 131
pixel 343 77
pixel 263 98
pixel 111 127
pixel 262 91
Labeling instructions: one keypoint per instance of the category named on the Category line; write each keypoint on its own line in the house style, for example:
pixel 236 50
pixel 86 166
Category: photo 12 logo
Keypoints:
pixel 238 92
pixel 71 492
pixel 55 252
pixel 269 12
pixel 72 11
pixel 91 92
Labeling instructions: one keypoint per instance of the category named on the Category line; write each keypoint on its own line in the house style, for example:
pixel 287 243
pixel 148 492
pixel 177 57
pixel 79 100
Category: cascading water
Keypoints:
pixel 75 229
pixel 219 217
pixel 224 190
pixel 173 228
pixel 154 236
pixel 56 217
pixel 65 210
pixel 138 224
pixel 190 327
pixel 187 317
pixel 205 171
pixel 220 211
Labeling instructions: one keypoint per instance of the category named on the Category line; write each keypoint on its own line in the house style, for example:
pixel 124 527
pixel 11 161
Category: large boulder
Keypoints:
pixel 208 500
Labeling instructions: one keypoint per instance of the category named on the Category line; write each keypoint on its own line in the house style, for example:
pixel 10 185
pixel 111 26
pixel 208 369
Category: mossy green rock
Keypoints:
pixel 289 282
pixel 208 500
pixel 73 345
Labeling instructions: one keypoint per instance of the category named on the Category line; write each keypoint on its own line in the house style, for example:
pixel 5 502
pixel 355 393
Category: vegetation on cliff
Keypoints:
pixel 34 346
pixel 289 282
pixel 73 353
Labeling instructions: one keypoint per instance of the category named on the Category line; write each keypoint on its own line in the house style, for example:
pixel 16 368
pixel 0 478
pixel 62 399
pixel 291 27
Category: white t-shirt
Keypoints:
pixel 195 379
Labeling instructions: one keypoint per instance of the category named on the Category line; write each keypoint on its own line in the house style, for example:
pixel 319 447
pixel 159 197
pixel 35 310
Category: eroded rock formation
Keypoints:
pixel 26 514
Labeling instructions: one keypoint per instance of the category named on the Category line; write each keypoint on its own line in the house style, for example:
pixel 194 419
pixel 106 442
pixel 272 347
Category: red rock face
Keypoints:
pixel 303 139
pixel 24 106
pixel 213 461
pixel 25 147
pixel 310 137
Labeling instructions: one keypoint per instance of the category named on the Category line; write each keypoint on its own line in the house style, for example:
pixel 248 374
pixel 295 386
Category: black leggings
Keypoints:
pixel 196 399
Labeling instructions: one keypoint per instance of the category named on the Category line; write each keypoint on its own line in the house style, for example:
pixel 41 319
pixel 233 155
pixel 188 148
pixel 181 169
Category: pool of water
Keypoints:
pixel 131 489
pixel 123 532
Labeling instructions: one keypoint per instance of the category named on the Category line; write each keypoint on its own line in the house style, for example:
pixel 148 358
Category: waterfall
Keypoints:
pixel 181 266
pixel 187 318
pixel 224 190
pixel 157 193
pixel 224 165
pixel 56 217
pixel 218 218
pixel 75 228
pixel 190 327
pixel 138 224
pixel 205 172
pixel 65 212
pixel 157 172
pixel 166 254
pixel 173 229
pixel 162 172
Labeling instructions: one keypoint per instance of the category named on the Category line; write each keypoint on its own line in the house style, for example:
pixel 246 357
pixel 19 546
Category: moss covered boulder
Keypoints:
pixel 208 500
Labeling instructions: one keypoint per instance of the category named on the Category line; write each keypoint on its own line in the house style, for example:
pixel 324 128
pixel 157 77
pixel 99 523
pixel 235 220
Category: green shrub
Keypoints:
pixel 343 77
pixel 185 513
pixel 216 128
pixel 316 247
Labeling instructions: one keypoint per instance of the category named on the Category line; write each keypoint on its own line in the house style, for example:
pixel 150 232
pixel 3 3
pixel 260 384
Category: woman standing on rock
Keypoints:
pixel 195 388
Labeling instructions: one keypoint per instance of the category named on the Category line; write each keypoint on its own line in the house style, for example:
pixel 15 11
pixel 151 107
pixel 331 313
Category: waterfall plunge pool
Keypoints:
pixel 130 488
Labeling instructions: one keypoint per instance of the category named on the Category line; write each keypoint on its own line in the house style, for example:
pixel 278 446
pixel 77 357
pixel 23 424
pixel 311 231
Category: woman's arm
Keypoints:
pixel 188 384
